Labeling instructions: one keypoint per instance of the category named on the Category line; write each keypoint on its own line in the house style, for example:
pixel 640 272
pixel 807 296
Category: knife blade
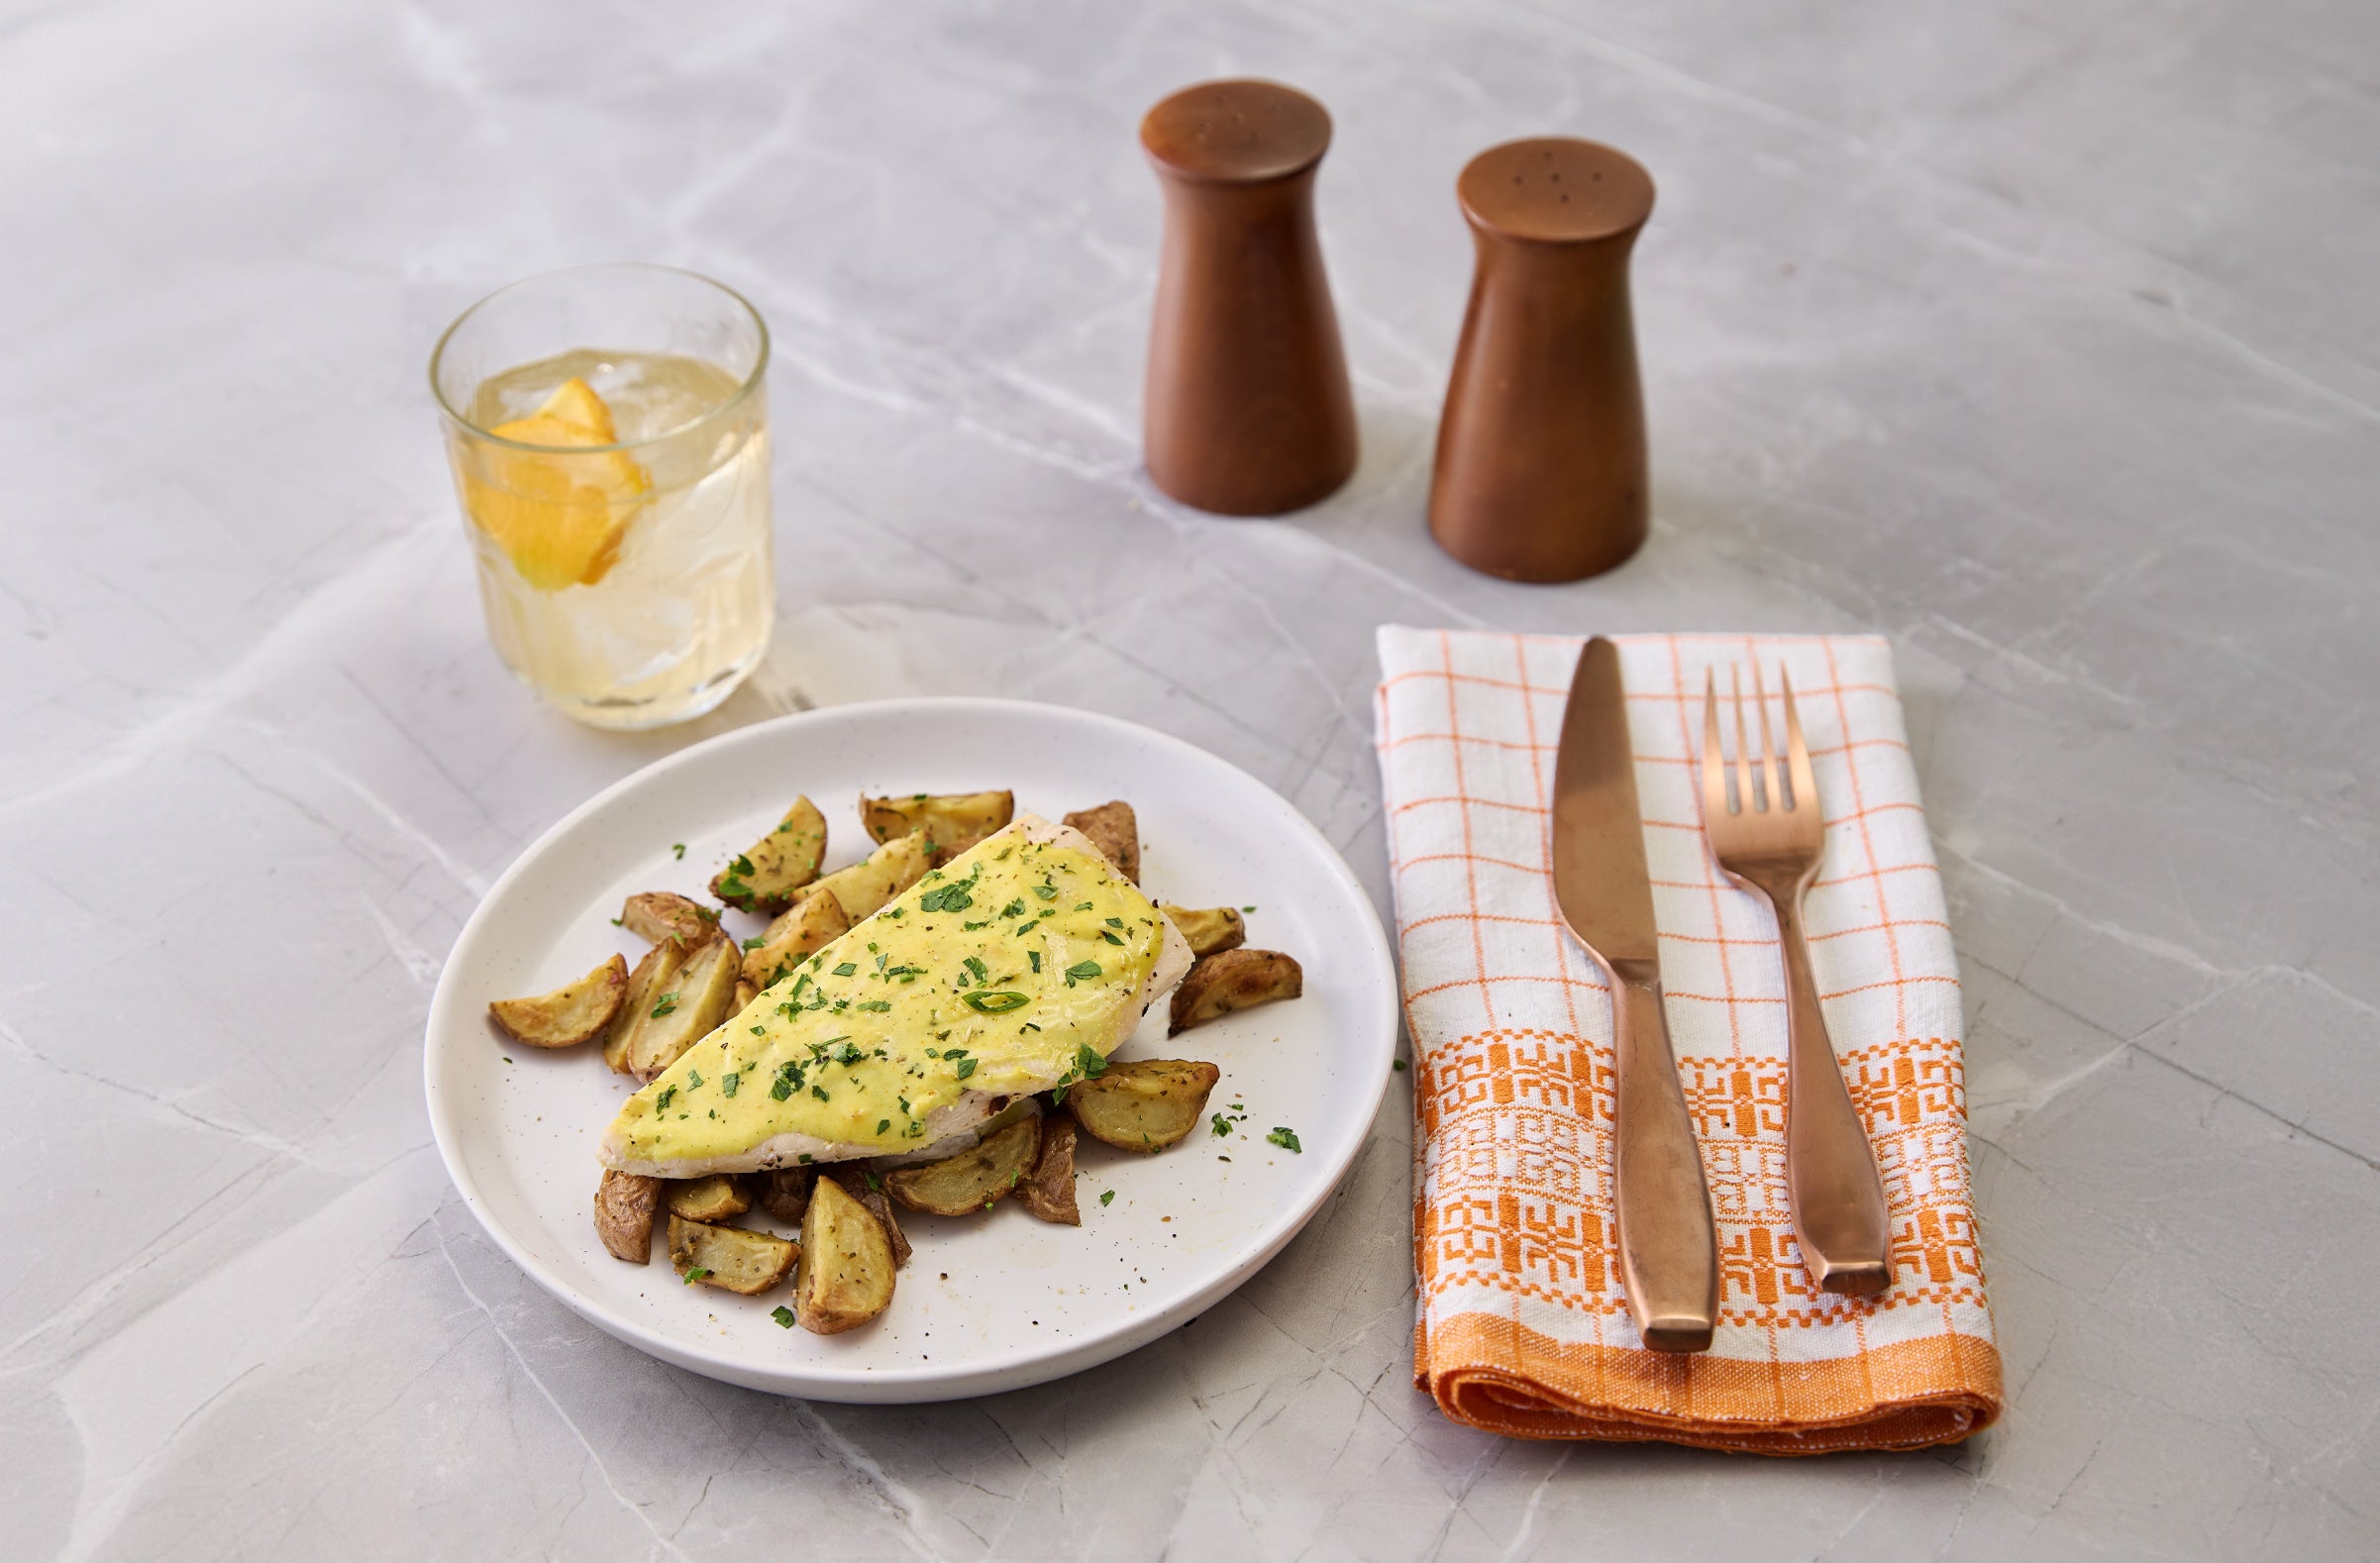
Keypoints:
pixel 1669 1246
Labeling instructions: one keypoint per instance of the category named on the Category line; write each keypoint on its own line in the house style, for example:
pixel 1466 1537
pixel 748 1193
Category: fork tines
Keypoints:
pixel 1764 780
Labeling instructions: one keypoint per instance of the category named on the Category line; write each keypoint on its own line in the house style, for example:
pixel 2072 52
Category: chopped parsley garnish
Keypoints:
pixel 975 964
pixel 1398 1064
pixel 694 1079
pixel 877 1004
pixel 819 1091
pixel 996 1003
pixel 1287 1139
pixel 782 1314
pixel 882 1124
pixel 967 1067
pixel 1048 892
pixel 1247 908
pixel 1116 922
pixel 729 1081
pixel 1015 908
pixel 946 897
pixel 696 1274
pixel 1222 1125
pixel 1109 1197
pixel 1110 938
pixel 788 1080
pixel 1034 956
pixel 661 1103
pixel 1084 907
pixel 847 969
pixel 668 1002
pixel 1082 972
pixel 755 941
pixel 680 847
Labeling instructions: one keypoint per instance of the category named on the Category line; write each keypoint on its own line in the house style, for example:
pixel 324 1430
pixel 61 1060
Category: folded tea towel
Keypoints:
pixel 1524 1326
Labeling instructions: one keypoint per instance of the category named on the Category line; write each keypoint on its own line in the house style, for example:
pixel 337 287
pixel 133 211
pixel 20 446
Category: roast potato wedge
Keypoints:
pixel 975 1179
pixel 844 1277
pixel 952 821
pixel 730 1258
pixel 785 1193
pixel 684 1013
pixel 854 1179
pixel 868 885
pixel 817 921
pixel 721 1197
pixel 652 978
pixel 1210 929
pixel 744 995
pixel 1234 980
pixel 764 877
pixel 1115 831
pixel 1144 1105
pixel 573 1013
pixel 1049 1190
pixel 663 916
pixel 624 1207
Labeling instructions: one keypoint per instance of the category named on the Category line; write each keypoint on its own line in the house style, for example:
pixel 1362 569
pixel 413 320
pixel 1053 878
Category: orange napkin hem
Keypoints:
pixel 1497 1375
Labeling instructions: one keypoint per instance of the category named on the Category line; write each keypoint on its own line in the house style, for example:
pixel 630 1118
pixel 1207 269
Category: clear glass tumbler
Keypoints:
pixel 608 427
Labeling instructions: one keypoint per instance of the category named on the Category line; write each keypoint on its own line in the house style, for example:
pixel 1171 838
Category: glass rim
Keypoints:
pixel 760 366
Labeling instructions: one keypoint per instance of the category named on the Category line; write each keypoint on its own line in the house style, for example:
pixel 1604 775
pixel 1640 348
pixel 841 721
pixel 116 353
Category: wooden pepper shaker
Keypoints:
pixel 1541 450
pixel 1248 408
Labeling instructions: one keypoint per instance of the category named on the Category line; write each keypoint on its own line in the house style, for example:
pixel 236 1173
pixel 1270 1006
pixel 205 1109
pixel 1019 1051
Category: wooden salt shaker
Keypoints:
pixel 1541 450
pixel 1248 409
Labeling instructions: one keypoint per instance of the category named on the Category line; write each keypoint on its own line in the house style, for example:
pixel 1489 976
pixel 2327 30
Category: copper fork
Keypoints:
pixel 1769 841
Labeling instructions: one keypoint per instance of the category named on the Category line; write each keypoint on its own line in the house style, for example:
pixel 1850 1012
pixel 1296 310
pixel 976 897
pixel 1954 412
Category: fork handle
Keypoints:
pixel 1668 1244
pixel 1840 1218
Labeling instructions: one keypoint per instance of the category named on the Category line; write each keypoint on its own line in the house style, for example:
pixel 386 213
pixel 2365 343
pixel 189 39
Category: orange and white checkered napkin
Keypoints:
pixel 1525 1327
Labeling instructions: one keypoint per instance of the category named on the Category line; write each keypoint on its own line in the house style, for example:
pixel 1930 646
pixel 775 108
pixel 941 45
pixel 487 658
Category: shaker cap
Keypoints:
pixel 1556 189
pixel 1236 132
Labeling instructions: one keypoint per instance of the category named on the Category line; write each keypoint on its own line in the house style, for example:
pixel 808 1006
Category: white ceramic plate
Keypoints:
pixel 989 1303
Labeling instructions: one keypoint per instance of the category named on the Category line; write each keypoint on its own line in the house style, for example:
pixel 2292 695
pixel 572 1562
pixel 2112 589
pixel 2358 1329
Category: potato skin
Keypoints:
pixel 1050 1192
pixel 663 916
pixel 624 1207
pixel 814 922
pixel 1115 830
pixel 973 1180
pixel 573 1013
pixel 952 821
pixel 785 1193
pixel 853 1176
pixel 1144 1105
pixel 1210 929
pixel 721 1197
pixel 845 1275
pixel 743 1262
pixel 1232 979
pixel 764 876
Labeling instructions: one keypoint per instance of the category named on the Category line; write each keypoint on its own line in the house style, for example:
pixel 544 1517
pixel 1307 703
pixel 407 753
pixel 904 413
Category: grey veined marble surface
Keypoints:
pixel 2043 339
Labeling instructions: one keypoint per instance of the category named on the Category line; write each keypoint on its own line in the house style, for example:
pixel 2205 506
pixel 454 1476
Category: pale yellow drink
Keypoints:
pixel 617 502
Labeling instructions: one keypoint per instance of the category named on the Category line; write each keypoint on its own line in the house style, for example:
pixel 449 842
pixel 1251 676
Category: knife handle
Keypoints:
pixel 1668 1246
pixel 1841 1219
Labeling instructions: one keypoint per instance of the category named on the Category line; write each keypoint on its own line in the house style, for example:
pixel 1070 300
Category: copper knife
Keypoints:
pixel 1668 1246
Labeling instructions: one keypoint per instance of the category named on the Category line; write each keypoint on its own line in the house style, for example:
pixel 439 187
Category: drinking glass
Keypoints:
pixel 608 429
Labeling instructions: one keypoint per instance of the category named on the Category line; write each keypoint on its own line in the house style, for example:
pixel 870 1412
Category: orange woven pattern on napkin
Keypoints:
pixel 1524 1326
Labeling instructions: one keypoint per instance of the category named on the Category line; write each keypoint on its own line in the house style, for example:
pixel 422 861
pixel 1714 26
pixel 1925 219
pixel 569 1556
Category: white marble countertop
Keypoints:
pixel 2042 338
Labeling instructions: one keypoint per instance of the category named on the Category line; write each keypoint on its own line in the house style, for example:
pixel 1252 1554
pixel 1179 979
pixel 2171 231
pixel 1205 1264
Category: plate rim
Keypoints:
pixel 910 1382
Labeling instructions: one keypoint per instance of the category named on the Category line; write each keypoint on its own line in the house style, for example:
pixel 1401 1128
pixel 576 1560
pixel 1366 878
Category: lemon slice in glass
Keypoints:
pixel 558 516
